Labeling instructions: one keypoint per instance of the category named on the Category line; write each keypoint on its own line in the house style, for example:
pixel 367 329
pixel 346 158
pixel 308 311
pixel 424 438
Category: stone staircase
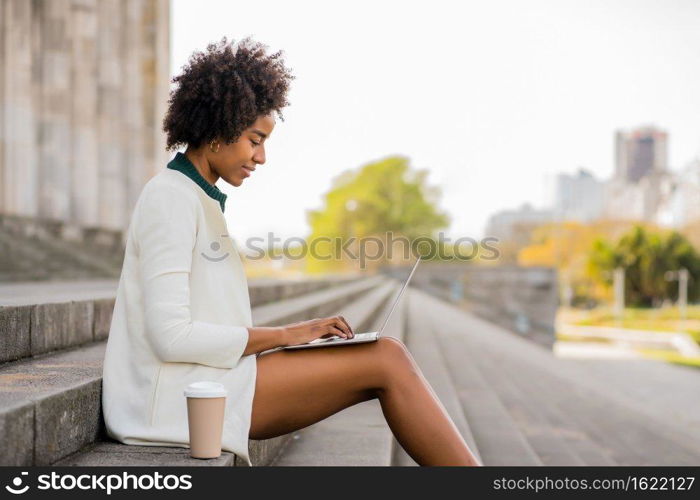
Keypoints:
pixel 526 407
pixel 513 401
pixel 35 249
pixel 52 349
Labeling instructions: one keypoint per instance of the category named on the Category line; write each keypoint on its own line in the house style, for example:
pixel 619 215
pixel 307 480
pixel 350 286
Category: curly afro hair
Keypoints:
pixel 222 92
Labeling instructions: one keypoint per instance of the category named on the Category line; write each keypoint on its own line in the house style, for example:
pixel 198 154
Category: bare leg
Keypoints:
pixel 295 389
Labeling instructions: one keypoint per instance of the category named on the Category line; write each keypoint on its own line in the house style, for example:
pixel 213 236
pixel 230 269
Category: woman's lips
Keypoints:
pixel 247 171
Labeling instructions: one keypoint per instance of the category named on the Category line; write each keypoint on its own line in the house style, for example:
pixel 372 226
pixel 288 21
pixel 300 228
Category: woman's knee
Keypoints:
pixel 391 346
pixel 394 356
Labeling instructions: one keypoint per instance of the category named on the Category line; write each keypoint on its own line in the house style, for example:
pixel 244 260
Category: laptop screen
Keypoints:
pixel 398 297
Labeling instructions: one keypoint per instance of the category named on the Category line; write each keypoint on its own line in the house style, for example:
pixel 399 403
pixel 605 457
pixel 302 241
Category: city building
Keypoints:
pixel 640 201
pixel 642 188
pixel 682 207
pixel 643 185
pixel 578 197
pixel 640 152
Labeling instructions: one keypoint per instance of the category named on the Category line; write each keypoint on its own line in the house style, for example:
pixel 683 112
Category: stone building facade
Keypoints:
pixel 83 90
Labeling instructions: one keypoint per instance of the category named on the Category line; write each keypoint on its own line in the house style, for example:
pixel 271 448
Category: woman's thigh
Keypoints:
pixel 294 389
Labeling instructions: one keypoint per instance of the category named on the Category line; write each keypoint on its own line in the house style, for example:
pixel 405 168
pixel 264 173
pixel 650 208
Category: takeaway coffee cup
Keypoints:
pixel 205 415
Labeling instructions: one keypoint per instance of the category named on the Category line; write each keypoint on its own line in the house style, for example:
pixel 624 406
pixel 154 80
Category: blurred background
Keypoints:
pixel 568 132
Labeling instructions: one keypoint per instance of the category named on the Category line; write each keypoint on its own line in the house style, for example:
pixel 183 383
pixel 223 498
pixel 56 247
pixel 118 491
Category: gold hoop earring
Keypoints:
pixel 211 147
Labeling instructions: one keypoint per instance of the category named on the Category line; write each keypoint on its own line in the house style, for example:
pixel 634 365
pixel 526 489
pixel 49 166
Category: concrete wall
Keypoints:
pixel 523 299
pixel 83 90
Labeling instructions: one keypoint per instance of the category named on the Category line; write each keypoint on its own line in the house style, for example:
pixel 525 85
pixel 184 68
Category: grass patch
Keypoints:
pixel 576 338
pixel 670 356
pixel 662 319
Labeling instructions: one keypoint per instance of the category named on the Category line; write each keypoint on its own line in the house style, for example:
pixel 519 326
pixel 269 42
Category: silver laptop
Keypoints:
pixel 359 337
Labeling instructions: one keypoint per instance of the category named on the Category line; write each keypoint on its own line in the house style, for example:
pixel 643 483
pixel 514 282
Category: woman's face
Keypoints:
pixel 232 160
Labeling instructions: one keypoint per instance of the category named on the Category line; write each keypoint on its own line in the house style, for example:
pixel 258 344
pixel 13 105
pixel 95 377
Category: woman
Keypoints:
pixel 183 314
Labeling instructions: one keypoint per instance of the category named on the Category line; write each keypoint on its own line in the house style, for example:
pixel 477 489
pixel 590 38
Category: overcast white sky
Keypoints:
pixel 492 97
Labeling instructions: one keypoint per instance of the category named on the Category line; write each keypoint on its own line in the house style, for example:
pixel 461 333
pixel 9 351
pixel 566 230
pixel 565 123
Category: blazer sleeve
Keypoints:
pixel 166 234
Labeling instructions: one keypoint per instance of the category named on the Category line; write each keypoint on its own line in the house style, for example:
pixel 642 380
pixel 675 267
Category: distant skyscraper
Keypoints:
pixel 640 152
pixel 578 197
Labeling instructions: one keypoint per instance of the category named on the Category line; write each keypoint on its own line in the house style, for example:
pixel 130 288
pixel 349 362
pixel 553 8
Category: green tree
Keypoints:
pixel 646 257
pixel 379 197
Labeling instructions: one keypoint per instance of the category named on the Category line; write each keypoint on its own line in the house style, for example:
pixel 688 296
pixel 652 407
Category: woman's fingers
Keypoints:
pixel 339 323
pixel 338 332
pixel 349 327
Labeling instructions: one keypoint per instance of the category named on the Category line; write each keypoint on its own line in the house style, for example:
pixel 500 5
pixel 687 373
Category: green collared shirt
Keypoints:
pixel 184 165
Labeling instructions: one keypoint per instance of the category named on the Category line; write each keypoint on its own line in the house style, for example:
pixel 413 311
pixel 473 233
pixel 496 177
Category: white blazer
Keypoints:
pixel 180 316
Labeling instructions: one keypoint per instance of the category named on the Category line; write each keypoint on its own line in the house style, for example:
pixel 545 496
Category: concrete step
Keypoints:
pixel 50 403
pixel 23 259
pixel 553 434
pixel 266 290
pixel 551 446
pixel 59 257
pixel 38 318
pixel 585 438
pixel 358 435
pixel 110 454
pixel 666 392
pixel 64 248
pixel 556 421
pixel 545 439
pixel 423 344
pixel 261 290
pixel 51 292
pixel 555 439
pixel 314 304
pixel 599 425
pixel 498 438
pixel 41 248
pixel 626 436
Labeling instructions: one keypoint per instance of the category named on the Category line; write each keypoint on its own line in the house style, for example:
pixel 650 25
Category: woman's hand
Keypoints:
pixel 306 331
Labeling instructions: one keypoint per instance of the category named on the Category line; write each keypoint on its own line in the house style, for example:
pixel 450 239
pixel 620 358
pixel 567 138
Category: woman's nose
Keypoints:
pixel 259 156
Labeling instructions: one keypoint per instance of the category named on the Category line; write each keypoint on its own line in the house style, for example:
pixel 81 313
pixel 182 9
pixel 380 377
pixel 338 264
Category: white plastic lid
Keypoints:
pixel 205 389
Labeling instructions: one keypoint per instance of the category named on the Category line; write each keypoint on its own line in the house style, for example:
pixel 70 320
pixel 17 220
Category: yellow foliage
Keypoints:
pixel 566 245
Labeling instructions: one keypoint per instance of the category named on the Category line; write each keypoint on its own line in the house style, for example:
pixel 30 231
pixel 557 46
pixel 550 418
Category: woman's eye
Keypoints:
pixel 256 143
